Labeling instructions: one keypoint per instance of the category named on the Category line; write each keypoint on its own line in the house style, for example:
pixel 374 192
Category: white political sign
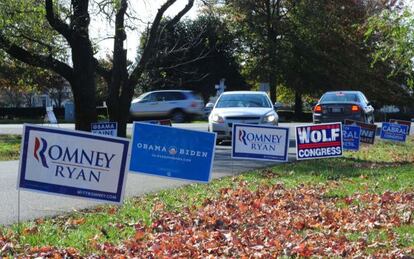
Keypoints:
pixel 73 163
pixel 51 117
pixel 260 142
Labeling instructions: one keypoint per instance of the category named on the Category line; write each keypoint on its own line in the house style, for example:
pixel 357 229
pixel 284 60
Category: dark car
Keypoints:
pixel 342 105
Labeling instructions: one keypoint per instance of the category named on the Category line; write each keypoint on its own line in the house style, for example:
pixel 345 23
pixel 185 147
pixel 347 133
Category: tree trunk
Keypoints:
pixel 84 84
pixel 85 108
pixel 298 104
pixel 273 86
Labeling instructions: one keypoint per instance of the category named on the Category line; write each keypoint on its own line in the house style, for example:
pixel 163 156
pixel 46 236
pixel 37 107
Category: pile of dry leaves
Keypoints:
pixel 266 223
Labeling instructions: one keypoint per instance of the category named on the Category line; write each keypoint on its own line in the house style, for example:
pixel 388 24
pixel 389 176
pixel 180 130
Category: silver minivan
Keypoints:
pixel 177 105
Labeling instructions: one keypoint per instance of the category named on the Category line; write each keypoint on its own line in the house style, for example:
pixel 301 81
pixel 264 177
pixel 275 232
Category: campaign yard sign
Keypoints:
pixel 402 122
pixel 368 131
pixel 51 115
pixel 105 128
pixel 159 122
pixel 395 132
pixel 73 163
pixel 260 142
pixel 318 141
pixel 351 137
pixel 172 152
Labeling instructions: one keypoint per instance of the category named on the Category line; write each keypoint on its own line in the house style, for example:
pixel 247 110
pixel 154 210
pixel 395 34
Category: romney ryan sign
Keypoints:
pixel 172 152
pixel 319 141
pixel 260 142
pixel 73 163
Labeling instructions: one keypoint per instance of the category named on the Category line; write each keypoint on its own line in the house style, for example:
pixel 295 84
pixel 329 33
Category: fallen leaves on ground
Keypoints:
pixel 272 221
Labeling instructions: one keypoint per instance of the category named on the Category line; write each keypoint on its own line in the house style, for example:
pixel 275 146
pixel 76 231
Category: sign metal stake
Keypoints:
pixel 18 216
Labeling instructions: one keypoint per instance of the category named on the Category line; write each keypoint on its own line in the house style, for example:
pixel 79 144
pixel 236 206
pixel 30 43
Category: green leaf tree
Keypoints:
pixel 391 34
pixel 196 54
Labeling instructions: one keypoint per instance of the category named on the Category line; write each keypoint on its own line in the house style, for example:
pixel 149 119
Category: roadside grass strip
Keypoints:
pixel 358 205
pixel 10 147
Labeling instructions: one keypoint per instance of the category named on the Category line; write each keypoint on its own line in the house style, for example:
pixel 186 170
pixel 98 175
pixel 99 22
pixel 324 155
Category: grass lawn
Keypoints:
pixel 9 147
pixel 358 205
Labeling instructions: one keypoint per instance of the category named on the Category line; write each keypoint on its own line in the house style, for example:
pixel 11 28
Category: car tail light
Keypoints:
pixel 318 109
pixel 355 108
pixel 194 105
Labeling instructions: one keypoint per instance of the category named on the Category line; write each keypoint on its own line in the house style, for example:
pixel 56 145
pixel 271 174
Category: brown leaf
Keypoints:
pixel 139 235
pixel 112 210
pixel 79 221
pixel 30 231
pixel 45 249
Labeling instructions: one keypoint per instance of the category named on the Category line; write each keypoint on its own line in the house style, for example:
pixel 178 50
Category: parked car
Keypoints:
pixel 341 105
pixel 240 107
pixel 178 105
pixel 207 109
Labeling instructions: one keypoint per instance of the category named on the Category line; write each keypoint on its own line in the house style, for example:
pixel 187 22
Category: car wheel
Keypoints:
pixel 178 116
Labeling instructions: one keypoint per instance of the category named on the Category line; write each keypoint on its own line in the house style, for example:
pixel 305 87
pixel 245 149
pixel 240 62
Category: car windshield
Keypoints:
pixel 243 100
pixel 142 96
pixel 339 97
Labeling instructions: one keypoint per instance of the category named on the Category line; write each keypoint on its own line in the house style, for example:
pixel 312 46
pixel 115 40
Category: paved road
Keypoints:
pixel 35 205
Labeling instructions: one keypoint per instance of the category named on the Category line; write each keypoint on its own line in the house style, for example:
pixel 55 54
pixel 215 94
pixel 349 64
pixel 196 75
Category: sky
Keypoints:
pixel 145 10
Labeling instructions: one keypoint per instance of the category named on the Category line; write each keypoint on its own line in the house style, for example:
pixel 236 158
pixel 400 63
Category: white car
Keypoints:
pixel 240 107
pixel 178 105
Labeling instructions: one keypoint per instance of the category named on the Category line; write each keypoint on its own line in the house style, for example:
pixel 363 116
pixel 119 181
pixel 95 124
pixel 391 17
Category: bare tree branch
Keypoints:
pixel 56 23
pixel 180 15
pixel 42 61
pixel 149 46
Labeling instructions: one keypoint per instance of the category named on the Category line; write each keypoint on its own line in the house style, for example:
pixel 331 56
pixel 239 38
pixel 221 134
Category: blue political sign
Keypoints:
pixel 73 163
pixel 105 128
pixel 172 152
pixel 351 137
pixel 395 132
pixel 260 142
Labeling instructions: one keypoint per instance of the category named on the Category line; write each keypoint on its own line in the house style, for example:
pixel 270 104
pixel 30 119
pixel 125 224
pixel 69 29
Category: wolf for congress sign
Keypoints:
pixel 319 141
pixel 73 163
pixel 172 152
pixel 260 142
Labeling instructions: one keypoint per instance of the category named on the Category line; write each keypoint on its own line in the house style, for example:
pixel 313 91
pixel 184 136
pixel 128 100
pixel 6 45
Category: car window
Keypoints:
pixel 147 98
pixel 339 97
pixel 175 96
pixel 363 98
pixel 243 100
pixel 159 97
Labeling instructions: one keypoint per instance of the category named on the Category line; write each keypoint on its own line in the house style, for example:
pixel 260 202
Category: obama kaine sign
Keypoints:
pixel 318 141
pixel 105 128
pixel 73 163
pixel 260 142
